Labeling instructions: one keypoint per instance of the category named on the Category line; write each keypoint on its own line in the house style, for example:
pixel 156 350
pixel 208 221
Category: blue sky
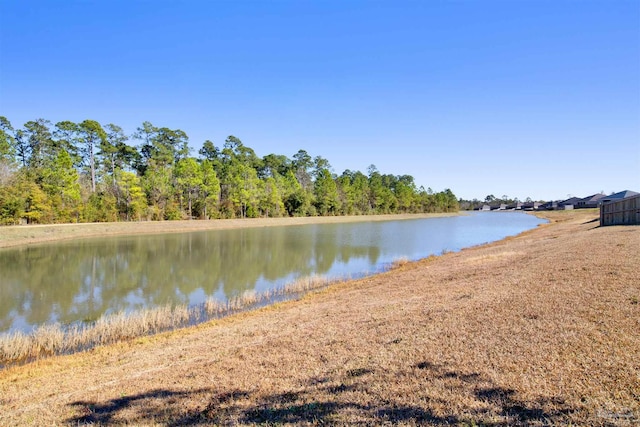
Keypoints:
pixel 535 99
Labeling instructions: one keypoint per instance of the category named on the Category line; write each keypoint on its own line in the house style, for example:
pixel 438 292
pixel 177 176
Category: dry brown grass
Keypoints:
pixel 539 329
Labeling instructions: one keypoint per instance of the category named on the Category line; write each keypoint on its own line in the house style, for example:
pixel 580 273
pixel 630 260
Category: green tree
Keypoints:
pixel 451 201
pixel 377 194
pixel 22 150
pixel 210 152
pixel 12 194
pixel 37 208
pixel 169 146
pixel 114 151
pixel 189 180
pixel 67 138
pixel 11 205
pixel 362 193
pixel 161 146
pixel 346 193
pixel 133 198
pixel 302 164
pixel 326 193
pixel 146 134
pixel 92 135
pixel 239 179
pixel 7 141
pixel 243 189
pixel 210 189
pixel 100 207
pixel 296 200
pixel 274 165
pixel 405 192
pixel 271 203
pixel 36 145
pixel 235 149
pixel 60 183
pixel 157 184
pixel 319 165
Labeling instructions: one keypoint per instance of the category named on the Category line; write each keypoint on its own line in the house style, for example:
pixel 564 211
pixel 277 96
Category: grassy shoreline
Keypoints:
pixel 55 339
pixel 22 235
pixel 537 329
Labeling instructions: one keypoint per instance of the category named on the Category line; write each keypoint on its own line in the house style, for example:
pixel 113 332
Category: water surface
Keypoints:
pixel 79 281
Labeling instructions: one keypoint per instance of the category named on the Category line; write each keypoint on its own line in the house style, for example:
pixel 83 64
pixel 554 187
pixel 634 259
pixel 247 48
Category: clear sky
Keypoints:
pixel 535 99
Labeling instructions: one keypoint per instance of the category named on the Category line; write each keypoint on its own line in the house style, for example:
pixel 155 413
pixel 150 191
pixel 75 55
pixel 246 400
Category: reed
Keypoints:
pixel 14 347
pixel 399 262
pixel 48 339
pixel 52 339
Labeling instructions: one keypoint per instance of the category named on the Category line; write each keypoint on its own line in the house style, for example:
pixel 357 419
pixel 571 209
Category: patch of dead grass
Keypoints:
pixel 487 258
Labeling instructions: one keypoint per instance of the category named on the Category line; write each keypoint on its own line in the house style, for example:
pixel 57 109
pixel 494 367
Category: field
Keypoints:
pixel 538 329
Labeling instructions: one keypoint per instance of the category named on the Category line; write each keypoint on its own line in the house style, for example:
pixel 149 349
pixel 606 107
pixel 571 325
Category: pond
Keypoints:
pixel 81 280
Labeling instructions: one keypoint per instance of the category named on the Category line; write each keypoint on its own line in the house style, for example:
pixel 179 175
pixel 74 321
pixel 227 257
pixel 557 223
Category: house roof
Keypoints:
pixel 593 198
pixel 571 201
pixel 621 195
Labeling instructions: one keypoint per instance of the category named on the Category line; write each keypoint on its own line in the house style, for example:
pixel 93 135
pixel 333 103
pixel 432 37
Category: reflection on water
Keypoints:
pixel 79 281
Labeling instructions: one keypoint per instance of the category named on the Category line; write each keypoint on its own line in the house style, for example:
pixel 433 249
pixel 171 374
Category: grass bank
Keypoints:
pixel 537 329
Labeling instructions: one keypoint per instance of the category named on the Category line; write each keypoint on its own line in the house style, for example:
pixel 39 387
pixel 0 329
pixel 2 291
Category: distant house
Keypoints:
pixel 496 207
pixel 501 207
pixel 568 204
pixel 570 201
pixel 592 201
pixel 549 206
pixel 531 206
pixel 558 205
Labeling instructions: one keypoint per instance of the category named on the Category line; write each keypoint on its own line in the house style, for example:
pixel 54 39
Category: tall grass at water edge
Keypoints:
pixel 54 339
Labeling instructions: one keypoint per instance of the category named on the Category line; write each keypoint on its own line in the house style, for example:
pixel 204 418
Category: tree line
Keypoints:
pixel 87 172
